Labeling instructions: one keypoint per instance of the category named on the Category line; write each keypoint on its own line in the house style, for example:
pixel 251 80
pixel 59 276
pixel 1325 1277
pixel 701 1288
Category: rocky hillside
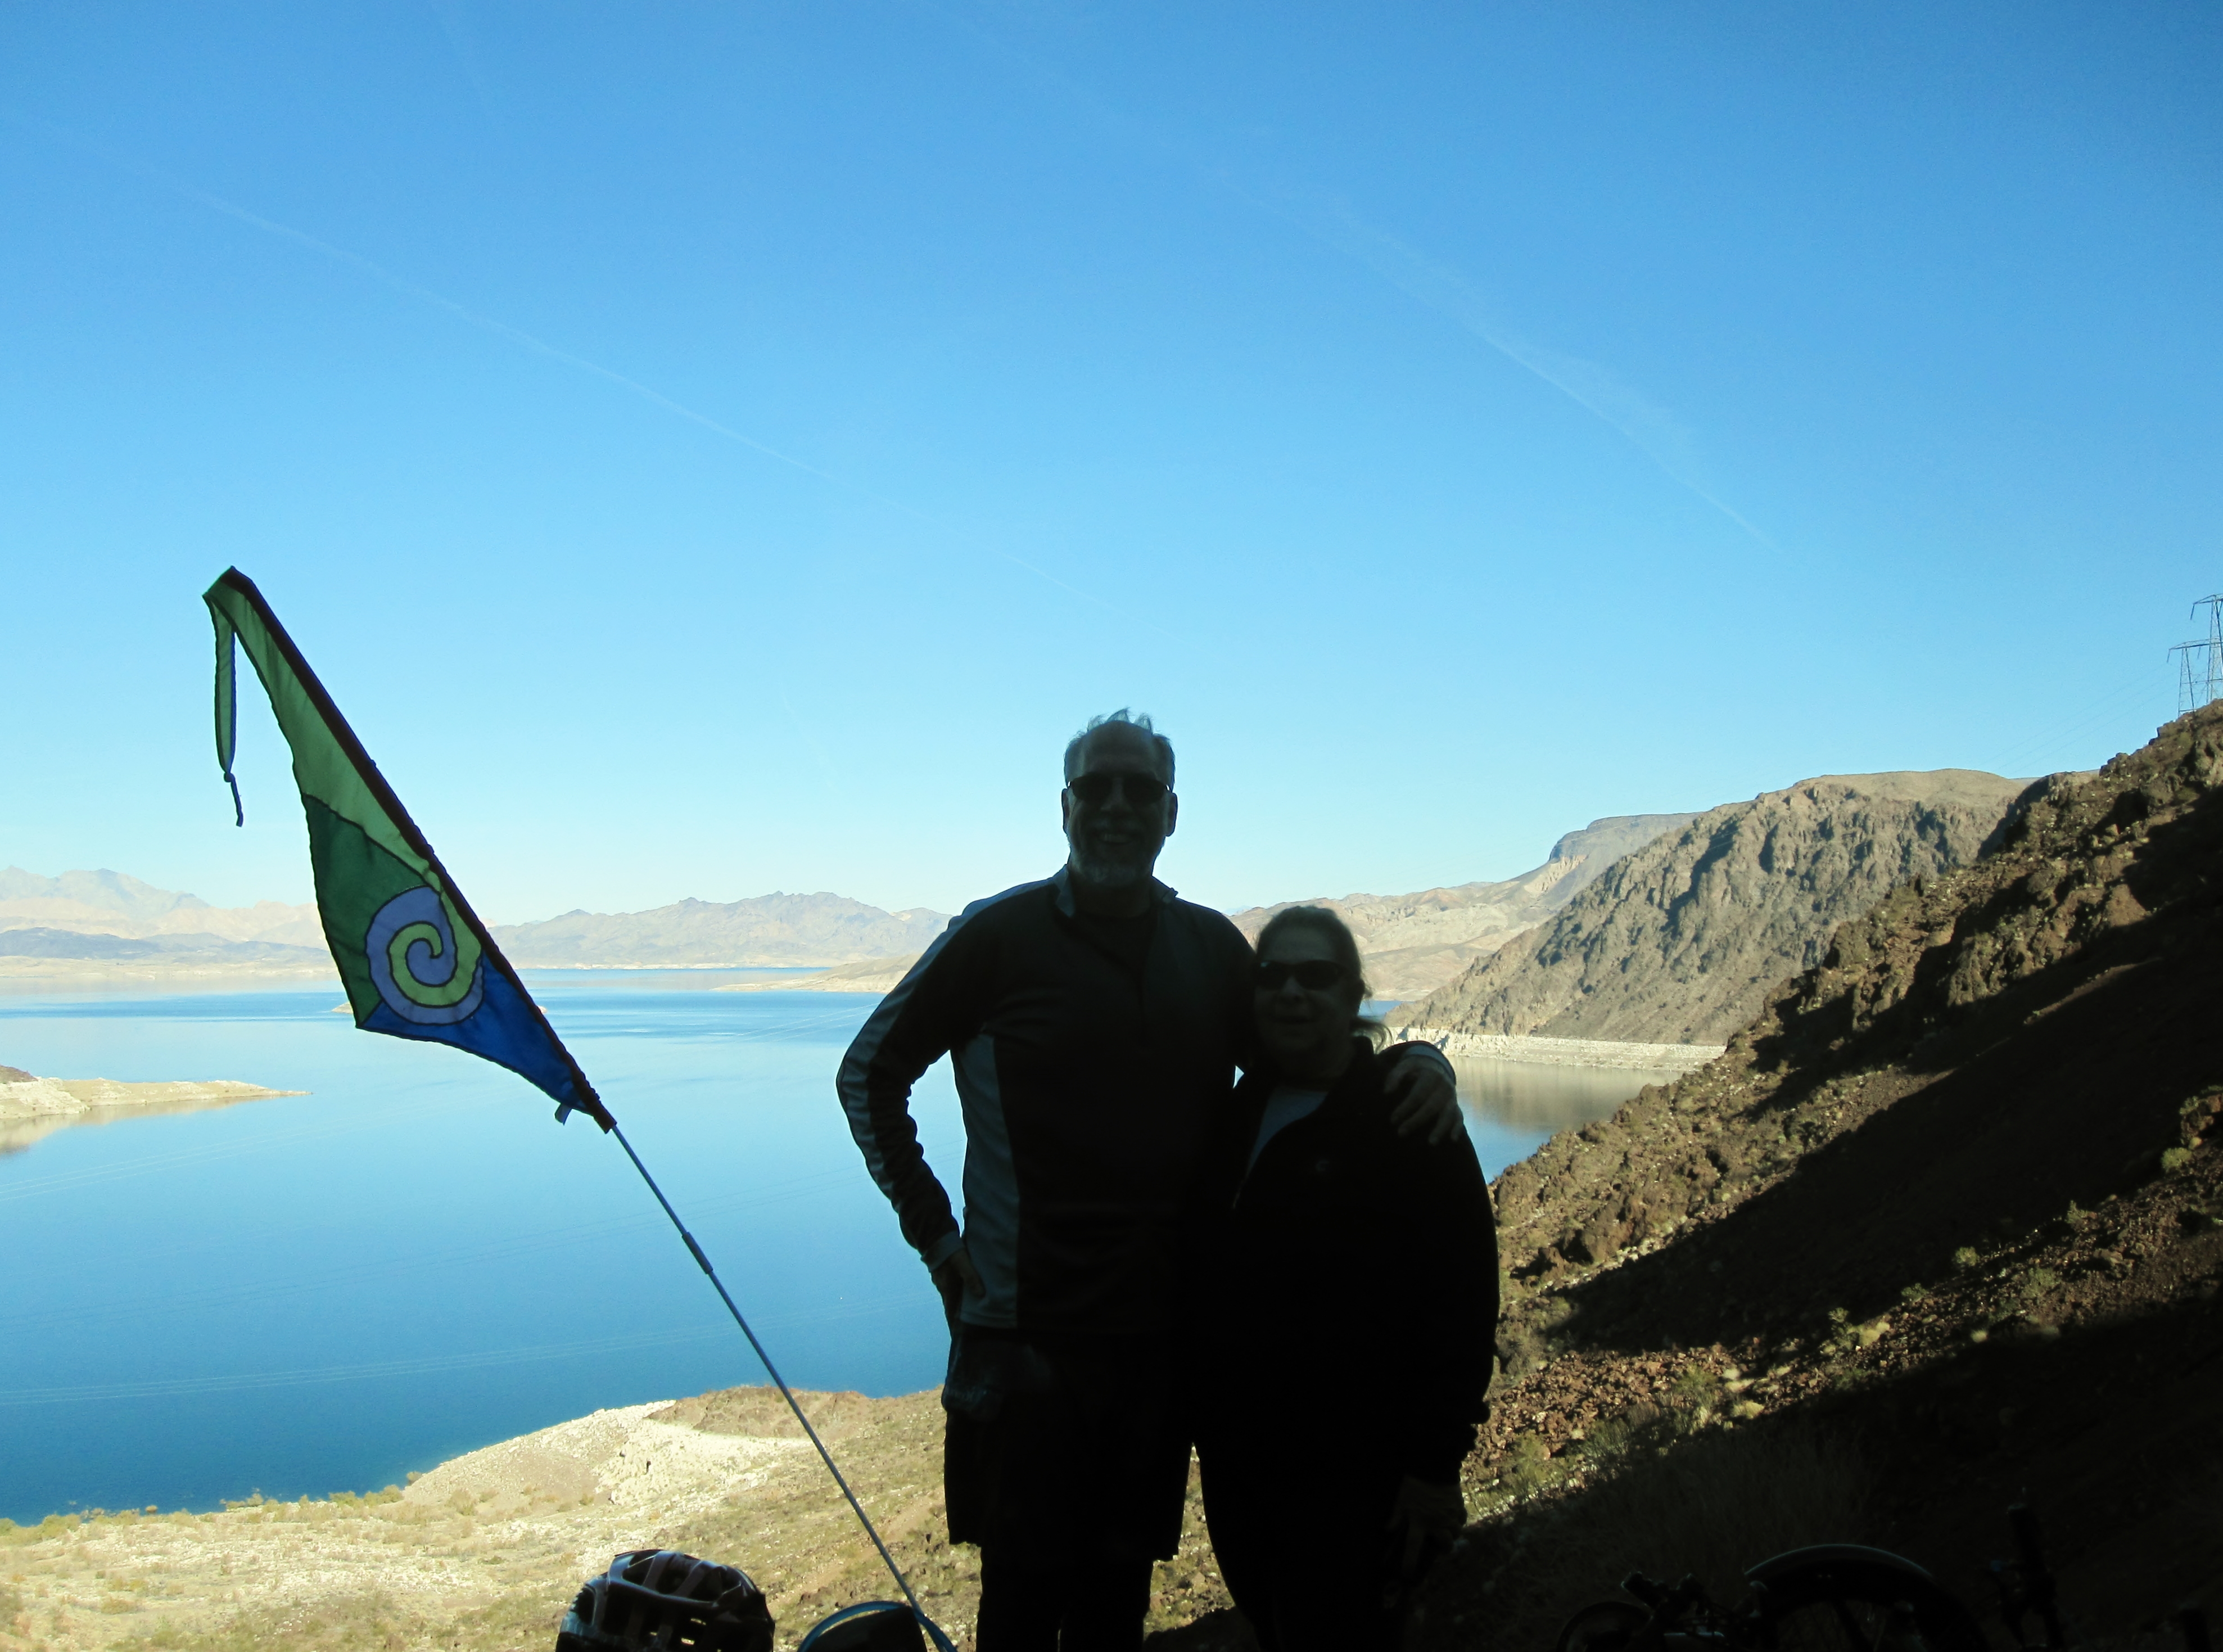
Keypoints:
pixel 1948 1212
pixel 1680 942
pixel 1414 943
pixel 770 930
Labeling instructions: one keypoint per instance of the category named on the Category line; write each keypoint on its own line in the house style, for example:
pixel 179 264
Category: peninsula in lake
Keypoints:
pixel 31 1107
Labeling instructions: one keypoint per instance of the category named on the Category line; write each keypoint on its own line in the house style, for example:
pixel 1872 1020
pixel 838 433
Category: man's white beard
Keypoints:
pixel 1111 873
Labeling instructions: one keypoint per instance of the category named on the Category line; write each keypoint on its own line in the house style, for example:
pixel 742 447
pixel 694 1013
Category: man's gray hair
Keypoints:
pixel 1139 720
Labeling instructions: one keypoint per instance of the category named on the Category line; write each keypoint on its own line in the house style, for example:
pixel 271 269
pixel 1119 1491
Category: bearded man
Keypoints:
pixel 1095 1023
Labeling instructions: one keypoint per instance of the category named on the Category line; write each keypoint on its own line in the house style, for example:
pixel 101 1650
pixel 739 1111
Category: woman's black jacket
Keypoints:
pixel 1350 1283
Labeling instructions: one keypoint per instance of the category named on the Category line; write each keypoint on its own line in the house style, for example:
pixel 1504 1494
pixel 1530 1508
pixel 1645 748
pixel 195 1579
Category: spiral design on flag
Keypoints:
pixel 417 964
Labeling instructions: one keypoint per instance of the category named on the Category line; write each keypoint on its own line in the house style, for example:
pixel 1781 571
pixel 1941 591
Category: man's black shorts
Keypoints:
pixel 1058 1447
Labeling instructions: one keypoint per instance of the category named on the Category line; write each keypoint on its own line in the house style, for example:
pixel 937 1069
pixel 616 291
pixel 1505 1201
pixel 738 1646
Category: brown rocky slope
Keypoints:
pixel 1681 942
pixel 1414 943
pixel 1943 1230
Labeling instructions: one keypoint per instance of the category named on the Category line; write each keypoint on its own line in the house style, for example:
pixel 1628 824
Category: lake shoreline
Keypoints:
pixel 1677 1059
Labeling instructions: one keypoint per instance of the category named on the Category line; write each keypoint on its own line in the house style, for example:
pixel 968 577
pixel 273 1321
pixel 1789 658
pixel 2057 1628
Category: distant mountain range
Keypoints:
pixel 1414 943
pixel 1647 929
pixel 110 903
pixel 1681 942
pixel 91 923
pixel 817 931
pixel 100 922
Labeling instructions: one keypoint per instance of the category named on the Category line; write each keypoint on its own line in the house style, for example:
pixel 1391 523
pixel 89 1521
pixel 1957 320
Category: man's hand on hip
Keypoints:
pixel 953 1278
pixel 1423 1094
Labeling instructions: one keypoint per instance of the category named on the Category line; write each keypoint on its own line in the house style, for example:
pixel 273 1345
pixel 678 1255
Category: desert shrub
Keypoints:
pixel 1520 1350
pixel 2175 1158
pixel 1526 1469
pixel 1967 1256
pixel 2037 1281
pixel 1694 1386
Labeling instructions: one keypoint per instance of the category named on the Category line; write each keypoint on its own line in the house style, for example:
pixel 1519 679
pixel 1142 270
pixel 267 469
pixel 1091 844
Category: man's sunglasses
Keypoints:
pixel 1095 790
pixel 1314 974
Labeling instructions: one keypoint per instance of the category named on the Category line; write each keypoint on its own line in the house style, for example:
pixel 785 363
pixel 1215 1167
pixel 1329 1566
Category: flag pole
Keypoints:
pixel 786 1393
pixel 573 1093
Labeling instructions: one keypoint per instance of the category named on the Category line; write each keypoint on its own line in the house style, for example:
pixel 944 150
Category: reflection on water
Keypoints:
pixel 1513 1106
pixel 17 1134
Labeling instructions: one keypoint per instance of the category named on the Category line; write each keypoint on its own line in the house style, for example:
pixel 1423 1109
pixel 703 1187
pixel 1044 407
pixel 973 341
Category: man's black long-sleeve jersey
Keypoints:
pixel 1094 1060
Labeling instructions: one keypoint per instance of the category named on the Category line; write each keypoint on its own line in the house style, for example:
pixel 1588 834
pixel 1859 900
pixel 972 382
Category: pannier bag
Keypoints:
pixel 660 1600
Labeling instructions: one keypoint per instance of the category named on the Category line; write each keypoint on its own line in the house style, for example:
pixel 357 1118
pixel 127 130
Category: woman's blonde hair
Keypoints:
pixel 1320 921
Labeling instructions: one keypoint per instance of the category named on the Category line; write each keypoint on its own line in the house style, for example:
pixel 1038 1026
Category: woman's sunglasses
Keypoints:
pixel 1095 790
pixel 1314 974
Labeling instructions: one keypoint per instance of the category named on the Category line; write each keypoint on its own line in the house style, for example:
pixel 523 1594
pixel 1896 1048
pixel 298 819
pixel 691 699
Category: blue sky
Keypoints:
pixel 710 449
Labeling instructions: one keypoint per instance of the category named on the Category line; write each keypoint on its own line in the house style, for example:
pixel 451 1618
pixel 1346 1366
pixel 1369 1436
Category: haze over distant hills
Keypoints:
pixel 1681 942
pixel 112 902
pixel 1414 943
pixel 772 931
pixel 100 922
pixel 106 922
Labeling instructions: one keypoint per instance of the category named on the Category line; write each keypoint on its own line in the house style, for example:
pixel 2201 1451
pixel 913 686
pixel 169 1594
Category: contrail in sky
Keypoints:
pixel 425 296
pixel 518 335
pixel 499 329
pixel 1663 437
pixel 1656 432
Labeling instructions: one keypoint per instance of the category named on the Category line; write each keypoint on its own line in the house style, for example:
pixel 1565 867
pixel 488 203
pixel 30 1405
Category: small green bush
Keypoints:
pixel 1967 1256
pixel 1694 1387
pixel 1527 1467
pixel 2175 1158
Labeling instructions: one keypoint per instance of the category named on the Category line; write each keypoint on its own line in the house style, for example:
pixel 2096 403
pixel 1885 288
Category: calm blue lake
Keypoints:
pixel 323 1292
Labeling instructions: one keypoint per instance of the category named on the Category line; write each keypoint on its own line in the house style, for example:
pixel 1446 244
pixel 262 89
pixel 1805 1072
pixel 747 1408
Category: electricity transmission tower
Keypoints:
pixel 2199 662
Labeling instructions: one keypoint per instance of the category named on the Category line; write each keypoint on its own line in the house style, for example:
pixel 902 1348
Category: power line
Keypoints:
pixel 2199 662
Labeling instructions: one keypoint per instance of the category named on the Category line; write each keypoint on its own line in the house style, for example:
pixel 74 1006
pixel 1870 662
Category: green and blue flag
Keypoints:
pixel 415 959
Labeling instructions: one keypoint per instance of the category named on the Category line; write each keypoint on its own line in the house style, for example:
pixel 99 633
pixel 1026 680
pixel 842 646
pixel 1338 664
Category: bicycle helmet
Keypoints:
pixel 660 1600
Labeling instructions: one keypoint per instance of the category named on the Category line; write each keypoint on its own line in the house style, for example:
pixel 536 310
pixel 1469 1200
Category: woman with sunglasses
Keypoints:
pixel 1347 1315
